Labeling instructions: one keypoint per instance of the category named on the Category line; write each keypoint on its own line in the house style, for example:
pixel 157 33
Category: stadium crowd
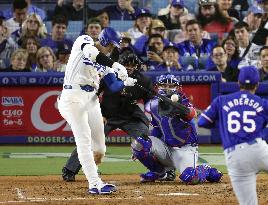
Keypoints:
pixel 221 35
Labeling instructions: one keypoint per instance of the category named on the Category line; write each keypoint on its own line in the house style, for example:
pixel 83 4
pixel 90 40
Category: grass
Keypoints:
pixel 53 165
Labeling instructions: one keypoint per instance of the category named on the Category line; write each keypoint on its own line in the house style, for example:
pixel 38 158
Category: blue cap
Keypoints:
pixel 256 9
pixel 143 12
pixel 109 35
pixel 177 3
pixel 249 75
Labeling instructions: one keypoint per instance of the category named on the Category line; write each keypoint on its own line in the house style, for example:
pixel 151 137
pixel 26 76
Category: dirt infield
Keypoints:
pixel 52 190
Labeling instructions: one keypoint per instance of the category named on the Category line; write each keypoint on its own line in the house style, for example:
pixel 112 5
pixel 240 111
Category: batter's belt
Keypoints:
pixel 87 88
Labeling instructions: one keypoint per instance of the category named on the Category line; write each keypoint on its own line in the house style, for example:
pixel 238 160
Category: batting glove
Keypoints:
pixel 130 81
pixel 121 71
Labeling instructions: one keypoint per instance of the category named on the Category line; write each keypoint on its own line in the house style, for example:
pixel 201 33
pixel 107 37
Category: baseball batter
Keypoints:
pixel 241 116
pixel 173 141
pixel 79 105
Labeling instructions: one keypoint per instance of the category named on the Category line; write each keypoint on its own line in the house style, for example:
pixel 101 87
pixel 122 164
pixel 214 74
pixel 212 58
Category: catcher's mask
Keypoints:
pixel 168 85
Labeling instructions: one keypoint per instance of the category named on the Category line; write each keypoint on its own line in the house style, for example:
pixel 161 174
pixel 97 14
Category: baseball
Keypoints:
pixel 174 98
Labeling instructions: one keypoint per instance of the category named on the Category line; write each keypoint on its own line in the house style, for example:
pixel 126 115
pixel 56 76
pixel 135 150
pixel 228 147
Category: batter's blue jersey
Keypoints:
pixel 174 131
pixel 242 116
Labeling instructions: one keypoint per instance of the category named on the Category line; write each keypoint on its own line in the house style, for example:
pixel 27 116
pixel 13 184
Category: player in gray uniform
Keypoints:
pixel 79 105
pixel 241 116
pixel 173 139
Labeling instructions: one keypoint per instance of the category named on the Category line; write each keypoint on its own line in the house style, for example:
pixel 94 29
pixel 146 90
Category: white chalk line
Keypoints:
pixel 27 200
pixel 178 194
pixel 23 199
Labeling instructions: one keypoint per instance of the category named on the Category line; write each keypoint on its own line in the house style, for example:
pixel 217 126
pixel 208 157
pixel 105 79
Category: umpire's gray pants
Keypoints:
pixel 134 128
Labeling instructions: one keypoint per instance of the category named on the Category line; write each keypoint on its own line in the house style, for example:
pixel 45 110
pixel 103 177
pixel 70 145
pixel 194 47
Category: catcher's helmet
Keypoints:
pixel 109 35
pixel 168 79
pixel 168 85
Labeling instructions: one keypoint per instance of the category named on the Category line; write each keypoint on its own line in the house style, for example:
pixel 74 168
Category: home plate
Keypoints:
pixel 177 194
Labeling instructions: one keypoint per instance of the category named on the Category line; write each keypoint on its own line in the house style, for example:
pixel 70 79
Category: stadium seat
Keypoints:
pixel 188 62
pixel 121 26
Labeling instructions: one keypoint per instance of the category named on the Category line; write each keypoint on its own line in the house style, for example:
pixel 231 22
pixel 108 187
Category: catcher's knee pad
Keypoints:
pixel 141 150
pixel 141 147
pixel 193 176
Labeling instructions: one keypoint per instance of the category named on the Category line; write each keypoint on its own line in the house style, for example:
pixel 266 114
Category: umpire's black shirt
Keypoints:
pixel 123 105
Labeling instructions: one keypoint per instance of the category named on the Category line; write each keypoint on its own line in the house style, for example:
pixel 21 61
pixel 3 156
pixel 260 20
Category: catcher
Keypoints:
pixel 173 141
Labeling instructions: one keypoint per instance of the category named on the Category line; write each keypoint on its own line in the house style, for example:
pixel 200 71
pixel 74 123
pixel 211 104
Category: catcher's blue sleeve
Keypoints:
pixel 207 119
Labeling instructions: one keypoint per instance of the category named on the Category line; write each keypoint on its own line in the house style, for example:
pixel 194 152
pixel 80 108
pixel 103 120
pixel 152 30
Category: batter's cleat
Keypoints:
pixel 102 189
pixel 68 175
pixel 152 177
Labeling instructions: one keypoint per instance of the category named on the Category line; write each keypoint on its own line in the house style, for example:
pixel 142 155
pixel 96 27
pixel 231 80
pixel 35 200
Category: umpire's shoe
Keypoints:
pixel 68 175
pixel 102 189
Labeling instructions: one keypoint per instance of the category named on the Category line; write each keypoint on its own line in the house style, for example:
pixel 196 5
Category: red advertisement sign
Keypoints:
pixel 32 111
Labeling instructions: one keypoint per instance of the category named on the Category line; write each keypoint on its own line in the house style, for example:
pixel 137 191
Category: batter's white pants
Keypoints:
pixel 82 111
pixel 243 163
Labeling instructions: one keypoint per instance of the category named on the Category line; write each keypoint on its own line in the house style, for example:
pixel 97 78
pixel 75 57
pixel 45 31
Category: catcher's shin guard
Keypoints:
pixel 212 174
pixel 141 148
pixel 193 175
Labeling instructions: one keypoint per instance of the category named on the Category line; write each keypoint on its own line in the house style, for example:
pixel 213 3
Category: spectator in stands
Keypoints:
pixel 154 51
pixel 74 10
pixel 264 64
pixel 123 10
pixel 7 45
pixel 170 56
pixel 196 47
pixel 104 18
pixel 8 13
pixel 20 12
pixel 231 48
pixel 253 19
pixel 32 26
pixel 31 44
pixel 178 36
pixel 126 41
pixel 18 61
pixel 261 34
pixel 248 51
pixel 226 8
pixel 93 28
pixel 62 55
pixel 212 19
pixel 241 6
pixel 141 25
pixel 219 58
pixel 156 27
pixel 59 28
pixel 171 20
pixel 46 60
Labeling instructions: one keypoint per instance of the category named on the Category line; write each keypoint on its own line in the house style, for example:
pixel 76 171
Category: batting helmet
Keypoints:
pixel 109 35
